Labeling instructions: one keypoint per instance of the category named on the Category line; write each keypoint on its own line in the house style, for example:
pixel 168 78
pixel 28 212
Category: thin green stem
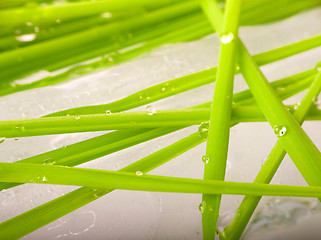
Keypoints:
pixel 45 174
pixel 220 117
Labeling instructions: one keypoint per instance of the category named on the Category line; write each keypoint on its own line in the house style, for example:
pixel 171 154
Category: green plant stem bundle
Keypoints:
pixel 185 83
pixel 98 48
pixel 73 43
pixel 235 229
pixel 298 145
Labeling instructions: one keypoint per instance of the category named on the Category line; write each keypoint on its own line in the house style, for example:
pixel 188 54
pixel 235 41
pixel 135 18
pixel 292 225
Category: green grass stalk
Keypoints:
pixel 220 117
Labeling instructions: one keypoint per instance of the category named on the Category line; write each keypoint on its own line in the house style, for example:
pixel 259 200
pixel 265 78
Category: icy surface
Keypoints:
pixel 144 215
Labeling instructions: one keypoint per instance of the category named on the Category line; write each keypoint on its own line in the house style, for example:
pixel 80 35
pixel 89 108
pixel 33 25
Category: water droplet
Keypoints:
pixel 163 89
pixel 237 68
pixel 49 161
pixel 77 117
pixel 150 110
pixel 227 38
pixel 44 179
pixel 26 37
pixel 280 89
pixel 203 130
pixel 206 159
pixel 58 21
pixel 221 5
pixel 296 106
pixel 106 15
pixel 26 33
pixel 279 130
pixel 2 140
pixel 139 173
pixel 201 207
pixel 20 128
pixel 108 112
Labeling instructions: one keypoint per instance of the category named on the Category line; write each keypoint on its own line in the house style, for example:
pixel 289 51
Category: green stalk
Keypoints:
pixel 44 174
pixel 235 229
pixel 220 117
pixel 297 144
pixel 254 114
pixel 101 122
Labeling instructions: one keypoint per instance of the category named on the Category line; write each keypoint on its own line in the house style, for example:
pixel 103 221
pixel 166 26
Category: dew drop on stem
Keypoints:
pixel 206 158
pixel 106 15
pixel 20 128
pixel 203 130
pixel 139 173
pixel 202 206
pixel 279 130
pixel 49 161
pixel 227 38
pixel 150 110
pixel 108 112
pixel 26 33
